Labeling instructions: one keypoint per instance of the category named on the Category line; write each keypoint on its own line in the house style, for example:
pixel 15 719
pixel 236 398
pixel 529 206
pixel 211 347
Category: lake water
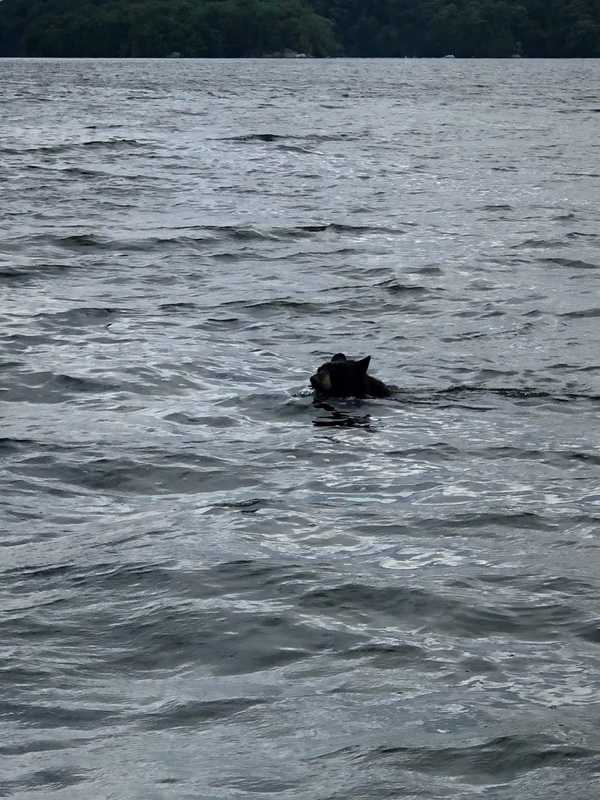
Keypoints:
pixel 211 588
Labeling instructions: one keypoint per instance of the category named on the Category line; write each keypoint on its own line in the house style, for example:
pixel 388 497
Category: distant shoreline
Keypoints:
pixel 294 60
pixel 298 29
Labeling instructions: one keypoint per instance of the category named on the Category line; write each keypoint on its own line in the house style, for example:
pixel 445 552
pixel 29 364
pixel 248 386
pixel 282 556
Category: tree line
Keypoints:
pixel 241 28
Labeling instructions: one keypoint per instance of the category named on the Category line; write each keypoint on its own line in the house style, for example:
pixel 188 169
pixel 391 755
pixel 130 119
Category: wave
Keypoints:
pixel 195 236
pixel 80 241
pixel 131 476
pixel 10 364
pixel 182 306
pixel 79 717
pixel 181 714
pixel 518 393
pixel 415 606
pixel 279 137
pixel 71 242
pixel 15 275
pixel 497 207
pixel 75 383
pixel 249 233
pixel 52 388
pixel 393 286
pixel 298 231
pixel 499 759
pixel 570 262
pixel 582 235
pixel 9 445
pixel 69 147
pixel 278 306
pixel 580 174
pixel 80 316
pixel 590 631
pixel 581 314
pixel 538 243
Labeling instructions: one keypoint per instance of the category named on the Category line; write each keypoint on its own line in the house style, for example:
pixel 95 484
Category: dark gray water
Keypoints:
pixel 203 593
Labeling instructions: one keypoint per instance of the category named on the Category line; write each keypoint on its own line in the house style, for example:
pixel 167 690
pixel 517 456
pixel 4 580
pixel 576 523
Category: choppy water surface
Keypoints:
pixel 206 595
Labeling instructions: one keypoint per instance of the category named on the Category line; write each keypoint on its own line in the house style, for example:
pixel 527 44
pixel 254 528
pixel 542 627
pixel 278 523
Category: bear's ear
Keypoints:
pixel 363 364
pixel 338 357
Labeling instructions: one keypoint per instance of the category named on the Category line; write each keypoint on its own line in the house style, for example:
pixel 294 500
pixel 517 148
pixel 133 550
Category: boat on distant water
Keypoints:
pixel 286 54
pixel 450 55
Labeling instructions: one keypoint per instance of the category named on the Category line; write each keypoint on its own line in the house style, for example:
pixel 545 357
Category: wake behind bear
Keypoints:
pixel 346 377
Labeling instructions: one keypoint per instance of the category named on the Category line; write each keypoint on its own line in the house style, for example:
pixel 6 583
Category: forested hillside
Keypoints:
pixel 237 28
pixel 550 28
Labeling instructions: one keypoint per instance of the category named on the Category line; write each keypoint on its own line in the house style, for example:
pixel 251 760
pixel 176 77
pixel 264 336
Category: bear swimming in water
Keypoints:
pixel 345 377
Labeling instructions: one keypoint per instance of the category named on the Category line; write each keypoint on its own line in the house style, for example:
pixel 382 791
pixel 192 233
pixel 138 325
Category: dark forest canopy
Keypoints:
pixel 238 28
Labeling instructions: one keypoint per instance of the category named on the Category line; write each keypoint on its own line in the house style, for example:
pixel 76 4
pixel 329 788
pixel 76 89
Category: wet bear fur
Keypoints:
pixel 345 377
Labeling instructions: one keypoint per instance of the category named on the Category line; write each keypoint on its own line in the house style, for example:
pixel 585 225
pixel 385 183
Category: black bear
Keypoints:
pixel 345 377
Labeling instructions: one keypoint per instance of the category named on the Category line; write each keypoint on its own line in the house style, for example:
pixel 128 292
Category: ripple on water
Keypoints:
pixel 500 759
